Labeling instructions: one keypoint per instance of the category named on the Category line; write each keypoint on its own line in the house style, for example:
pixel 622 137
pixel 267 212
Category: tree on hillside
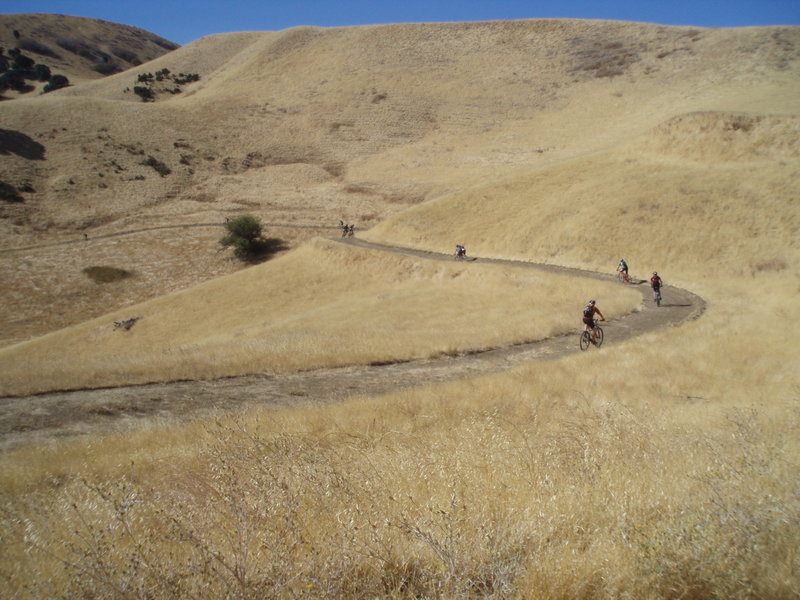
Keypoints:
pixel 41 72
pixel 55 82
pixel 244 233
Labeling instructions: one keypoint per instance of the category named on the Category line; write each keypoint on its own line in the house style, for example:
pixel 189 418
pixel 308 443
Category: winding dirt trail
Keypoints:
pixel 44 417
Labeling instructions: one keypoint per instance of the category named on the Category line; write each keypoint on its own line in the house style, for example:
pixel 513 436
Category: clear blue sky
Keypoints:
pixel 188 20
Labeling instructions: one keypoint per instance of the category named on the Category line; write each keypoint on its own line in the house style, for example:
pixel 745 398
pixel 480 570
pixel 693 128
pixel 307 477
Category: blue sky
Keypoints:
pixel 183 21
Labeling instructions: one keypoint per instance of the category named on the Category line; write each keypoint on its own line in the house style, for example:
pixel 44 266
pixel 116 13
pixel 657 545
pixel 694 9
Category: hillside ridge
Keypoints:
pixel 314 125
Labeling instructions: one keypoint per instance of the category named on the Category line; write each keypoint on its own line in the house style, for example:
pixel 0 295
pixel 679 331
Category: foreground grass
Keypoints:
pixel 324 305
pixel 642 472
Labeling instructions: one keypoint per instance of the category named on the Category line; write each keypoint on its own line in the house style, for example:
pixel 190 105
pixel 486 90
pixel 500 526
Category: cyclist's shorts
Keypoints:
pixel 588 321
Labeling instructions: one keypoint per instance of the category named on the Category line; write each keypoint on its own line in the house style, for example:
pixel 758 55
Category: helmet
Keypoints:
pixel 654 274
pixel 591 302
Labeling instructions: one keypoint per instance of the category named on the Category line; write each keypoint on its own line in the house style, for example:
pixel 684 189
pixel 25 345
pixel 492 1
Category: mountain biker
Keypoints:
pixel 589 311
pixel 622 267
pixel 656 283
pixel 461 252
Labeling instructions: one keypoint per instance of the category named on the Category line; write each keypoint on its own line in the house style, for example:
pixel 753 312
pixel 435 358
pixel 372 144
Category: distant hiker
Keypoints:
pixel 351 230
pixel 85 236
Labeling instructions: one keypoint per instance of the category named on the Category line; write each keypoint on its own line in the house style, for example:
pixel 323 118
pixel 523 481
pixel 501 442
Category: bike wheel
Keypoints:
pixel 598 335
pixel 658 299
pixel 586 339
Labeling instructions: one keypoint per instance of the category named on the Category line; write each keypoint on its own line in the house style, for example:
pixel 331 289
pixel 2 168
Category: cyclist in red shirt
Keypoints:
pixel 589 311
pixel 656 283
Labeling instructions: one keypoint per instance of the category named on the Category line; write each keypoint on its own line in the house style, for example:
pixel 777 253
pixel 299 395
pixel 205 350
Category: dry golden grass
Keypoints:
pixel 324 305
pixel 663 467
pixel 310 125
pixel 737 176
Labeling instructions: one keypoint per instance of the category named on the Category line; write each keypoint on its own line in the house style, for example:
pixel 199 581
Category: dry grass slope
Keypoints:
pixel 665 466
pixel 323 305
pixel 82 49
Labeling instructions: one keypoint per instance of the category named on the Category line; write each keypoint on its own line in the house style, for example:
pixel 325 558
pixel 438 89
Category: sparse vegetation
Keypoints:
pixel 21 68
pixel 145 93
pixel 161 81
pixel 157 165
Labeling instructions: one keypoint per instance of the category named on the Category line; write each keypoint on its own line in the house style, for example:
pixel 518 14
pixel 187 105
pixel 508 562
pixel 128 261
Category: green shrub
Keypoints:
pixel 56 82
pixel 145 93
pixel 12 80
pixel 244 233
pixel 41 72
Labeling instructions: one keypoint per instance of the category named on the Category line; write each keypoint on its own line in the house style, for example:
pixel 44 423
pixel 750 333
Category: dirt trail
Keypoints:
pixel 44 417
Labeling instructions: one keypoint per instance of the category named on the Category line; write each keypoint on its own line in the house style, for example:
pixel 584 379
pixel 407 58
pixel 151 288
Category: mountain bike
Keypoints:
pixel 657 296
pixel 624 277
pixel 586 337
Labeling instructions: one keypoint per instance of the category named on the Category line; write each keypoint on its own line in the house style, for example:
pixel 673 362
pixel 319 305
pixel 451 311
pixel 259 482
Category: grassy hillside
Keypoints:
pixel 653 200
pixel 309 126
pixel 82 49
pixel 323 305
pixel 660 467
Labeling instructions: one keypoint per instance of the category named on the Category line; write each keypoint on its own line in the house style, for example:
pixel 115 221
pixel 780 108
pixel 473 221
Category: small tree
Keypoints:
pixel 41 72
pixel 145 93
pixel 244 234
pixel 56 82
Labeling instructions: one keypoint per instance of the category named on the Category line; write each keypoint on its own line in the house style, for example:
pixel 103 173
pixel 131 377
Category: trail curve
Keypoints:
pixel 35 419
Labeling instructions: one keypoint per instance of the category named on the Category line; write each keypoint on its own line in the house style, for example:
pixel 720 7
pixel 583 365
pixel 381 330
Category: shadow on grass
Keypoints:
pixel 262 250
pixel 15 142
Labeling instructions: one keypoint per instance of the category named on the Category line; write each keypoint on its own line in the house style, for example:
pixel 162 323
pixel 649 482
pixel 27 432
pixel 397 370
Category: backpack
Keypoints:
pixel 588 312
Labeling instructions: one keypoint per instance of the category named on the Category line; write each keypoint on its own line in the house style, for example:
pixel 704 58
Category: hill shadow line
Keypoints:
pixel 16 142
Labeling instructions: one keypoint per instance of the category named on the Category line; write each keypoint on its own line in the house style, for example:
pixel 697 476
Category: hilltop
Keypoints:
pixel 80 48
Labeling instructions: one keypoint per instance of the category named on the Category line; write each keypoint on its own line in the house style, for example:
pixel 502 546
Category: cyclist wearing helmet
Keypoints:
pixel 622 268
pixel 589 311
pixel 656 283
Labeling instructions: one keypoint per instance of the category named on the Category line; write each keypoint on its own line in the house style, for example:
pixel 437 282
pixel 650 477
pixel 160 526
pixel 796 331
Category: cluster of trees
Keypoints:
pixel 147 91
pixel 16 69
